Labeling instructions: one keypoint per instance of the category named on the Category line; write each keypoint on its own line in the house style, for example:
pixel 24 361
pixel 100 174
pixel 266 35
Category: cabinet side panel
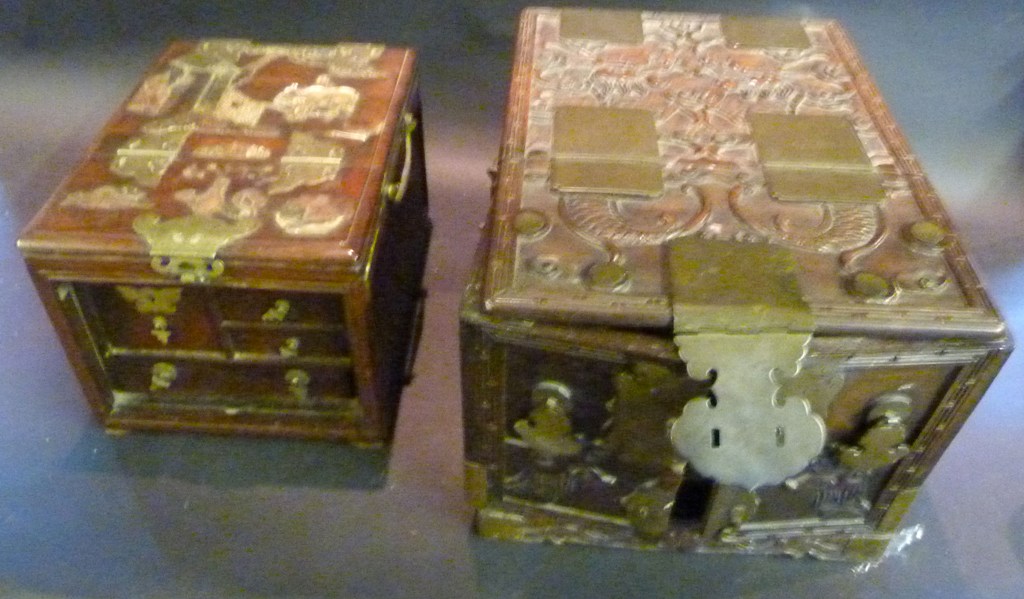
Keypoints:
pixel 63 306
pixel 396 272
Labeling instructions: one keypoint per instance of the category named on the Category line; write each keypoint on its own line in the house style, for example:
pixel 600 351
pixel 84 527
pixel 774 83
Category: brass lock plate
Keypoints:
pixel 740 320
pixel 744 433
pixel 185 247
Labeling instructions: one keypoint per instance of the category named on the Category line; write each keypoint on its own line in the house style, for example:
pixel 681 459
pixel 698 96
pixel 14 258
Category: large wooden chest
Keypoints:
pixel 243 247
pixel 719 307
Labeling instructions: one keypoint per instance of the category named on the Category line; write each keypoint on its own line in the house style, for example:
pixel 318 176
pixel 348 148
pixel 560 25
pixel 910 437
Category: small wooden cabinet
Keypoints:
pixel 243 248
pixel 719 307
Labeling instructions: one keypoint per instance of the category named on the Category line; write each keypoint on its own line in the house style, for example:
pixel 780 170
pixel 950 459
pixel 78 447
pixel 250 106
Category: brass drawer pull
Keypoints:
pixel 396 191
pixel 163 374
pixel 279 312
pixel 298 383
pixel 290 347
pixel 161 330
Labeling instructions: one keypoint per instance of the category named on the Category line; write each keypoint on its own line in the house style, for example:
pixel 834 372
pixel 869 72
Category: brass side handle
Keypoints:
pixel 298 383
pixel 278 312
pixel 163 374
pixel 396 191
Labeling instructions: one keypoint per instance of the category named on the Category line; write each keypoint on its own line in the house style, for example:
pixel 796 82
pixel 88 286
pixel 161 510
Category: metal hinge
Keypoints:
pixel 186 247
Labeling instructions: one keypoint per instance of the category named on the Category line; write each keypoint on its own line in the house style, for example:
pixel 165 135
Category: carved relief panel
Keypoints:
pixel 773 144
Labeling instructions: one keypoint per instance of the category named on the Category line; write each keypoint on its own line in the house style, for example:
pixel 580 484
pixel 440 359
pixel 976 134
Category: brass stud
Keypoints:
pixel 545 266
pixel 931 282
pixel 607 276
pixel 871 286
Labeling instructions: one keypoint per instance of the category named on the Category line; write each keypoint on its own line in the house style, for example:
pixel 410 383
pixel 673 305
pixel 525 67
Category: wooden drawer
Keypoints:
pixel 287 344
pixel 150 317
pixel 142 380
pixel 237 305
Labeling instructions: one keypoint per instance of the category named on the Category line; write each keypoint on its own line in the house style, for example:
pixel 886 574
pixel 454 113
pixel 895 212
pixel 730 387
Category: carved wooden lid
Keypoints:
pixel 263 152
pixel 622 140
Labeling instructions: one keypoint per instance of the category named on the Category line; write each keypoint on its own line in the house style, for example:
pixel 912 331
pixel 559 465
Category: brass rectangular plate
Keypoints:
pixel 814 158
pixel 605 150
pixel 523 278
pixel 603 176
pixel 823 185
pixel 595 132
pixel 807 141
pixel 760 32
pixel 617 26
pixel 730 286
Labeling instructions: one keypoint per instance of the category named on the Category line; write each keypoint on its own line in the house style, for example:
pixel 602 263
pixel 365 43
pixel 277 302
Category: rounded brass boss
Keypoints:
pixel 930 282
pixel 870 285
pixel 607 276
pixel 927 234
pixel 895 405
pixel 545 266
pixel 530 223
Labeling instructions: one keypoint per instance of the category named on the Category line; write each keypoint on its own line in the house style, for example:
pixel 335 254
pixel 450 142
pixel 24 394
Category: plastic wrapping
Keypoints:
pixel 901 540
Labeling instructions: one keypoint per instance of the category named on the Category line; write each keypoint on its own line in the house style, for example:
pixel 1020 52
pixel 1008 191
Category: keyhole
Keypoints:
pixel 716 437
pixel 780 436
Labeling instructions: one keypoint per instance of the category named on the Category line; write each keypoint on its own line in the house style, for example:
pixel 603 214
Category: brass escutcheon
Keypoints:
pixel 186 247
pixel 151 300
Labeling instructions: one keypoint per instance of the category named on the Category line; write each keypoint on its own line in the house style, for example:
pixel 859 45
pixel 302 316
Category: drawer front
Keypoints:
pixel 279 307
pixel 152 317
pixel 230 385
pixel 287 344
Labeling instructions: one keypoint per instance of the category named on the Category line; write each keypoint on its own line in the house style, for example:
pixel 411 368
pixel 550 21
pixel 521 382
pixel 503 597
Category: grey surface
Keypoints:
pixel 87 515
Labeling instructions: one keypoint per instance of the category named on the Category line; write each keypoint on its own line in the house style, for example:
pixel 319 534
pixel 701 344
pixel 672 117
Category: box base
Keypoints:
pixel 512 521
